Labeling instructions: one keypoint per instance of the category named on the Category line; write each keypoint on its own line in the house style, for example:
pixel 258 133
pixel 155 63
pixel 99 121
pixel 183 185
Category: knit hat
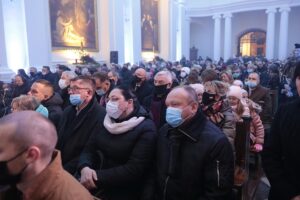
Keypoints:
pixel 186 70
pixel 235 91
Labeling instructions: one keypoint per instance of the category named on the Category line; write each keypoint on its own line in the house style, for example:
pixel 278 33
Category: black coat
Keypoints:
pixel 19 90
pixel 54 108
pixel 75 131
pixel 142 91
pixel 125 158
pixel 281 155
pixel 194 162
pixel 66 97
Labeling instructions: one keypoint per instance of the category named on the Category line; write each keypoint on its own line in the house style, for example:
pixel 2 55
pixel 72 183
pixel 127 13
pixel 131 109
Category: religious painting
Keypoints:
pixel 73 24
pixel 149 25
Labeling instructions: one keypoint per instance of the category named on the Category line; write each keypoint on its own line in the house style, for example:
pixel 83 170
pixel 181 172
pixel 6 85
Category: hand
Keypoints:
pixel 296 198
pixel 88 176
pixel 257 147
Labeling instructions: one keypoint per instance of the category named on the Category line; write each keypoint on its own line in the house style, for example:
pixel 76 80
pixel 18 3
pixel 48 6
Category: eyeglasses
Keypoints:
pixel 76 89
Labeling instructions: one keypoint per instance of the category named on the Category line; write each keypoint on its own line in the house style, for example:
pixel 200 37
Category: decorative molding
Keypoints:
pixel 217 16
pixel 202 10
pixel 271 10
pixel 285 9
pixel 227 15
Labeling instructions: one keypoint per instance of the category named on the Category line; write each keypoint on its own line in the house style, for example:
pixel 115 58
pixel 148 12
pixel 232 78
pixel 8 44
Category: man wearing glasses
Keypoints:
pixel 79 121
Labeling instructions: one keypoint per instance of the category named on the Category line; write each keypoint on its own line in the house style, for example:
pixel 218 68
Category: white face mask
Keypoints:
pixel 182 74
pixel 62 84
pixel 112 109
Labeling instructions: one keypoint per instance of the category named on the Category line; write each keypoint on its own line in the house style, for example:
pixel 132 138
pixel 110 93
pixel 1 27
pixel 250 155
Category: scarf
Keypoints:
pixel 122 127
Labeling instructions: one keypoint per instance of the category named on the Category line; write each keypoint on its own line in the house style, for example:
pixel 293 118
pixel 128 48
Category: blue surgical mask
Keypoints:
pixel 173 117
pixel 250 70
pixel 251 84
pixel 235 75
pixel 100 92
pixel 42 110
pixel 75 99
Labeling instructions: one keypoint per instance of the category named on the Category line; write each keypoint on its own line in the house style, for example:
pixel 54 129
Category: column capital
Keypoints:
pixel 216 16
pixel 284 9
pixel 179 2
pixel 271 10
pixel 227 15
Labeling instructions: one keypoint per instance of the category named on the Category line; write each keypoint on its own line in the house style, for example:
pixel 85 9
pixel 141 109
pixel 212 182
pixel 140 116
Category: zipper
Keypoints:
pixel 165 188
pixel 218 172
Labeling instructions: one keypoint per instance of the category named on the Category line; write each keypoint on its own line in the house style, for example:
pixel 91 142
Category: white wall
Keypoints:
pixel 202 36
pixel 294 28
pixel 3 60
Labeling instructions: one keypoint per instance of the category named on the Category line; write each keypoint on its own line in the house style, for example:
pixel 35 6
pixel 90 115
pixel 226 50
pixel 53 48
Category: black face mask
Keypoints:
pixel 5 177
pixel 32 73
pixel 136 79
pixel 160 90
pixel 208 98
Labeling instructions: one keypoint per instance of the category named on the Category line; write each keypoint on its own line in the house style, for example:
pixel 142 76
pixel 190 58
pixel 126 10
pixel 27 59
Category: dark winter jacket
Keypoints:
pixel 281 155
pixel 53 105
pixel 121 161
pixel 193 161
pixel 75 131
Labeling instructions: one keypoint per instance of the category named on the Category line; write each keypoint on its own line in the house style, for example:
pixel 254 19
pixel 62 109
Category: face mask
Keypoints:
pixel 208 98
pixel 251 84
pixel 160 89
pixel 31 73
pixel 75 99
pixel 234 107
pixel 137 79
pixel 42 110
pixel 250 70
pixel 10 179
pixel 183 74
pixel 173 117
pixel 112 109
pixel 235 75
pixel 100 92
pixel 62 84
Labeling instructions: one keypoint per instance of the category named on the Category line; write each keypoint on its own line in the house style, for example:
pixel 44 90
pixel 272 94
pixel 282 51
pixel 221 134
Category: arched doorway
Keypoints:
pixel 252 43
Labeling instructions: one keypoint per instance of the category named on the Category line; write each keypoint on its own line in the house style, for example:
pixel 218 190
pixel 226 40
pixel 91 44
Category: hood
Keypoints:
pixel 54 100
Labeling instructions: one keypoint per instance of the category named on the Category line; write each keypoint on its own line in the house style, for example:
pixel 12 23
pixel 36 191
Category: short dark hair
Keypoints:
pixel 297 71
pixel 209 75
pixel 86 79
pixel 127 93
pixel 102 76
pixel 45 83
pixel 47 67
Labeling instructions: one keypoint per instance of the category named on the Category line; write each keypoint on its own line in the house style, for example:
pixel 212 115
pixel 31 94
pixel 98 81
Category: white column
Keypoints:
pixel 183 34
pixel 117 28
pixel 137 35
pixel 173 29
pixel 283 34
pixel 3 59
pixel 186 37
pixel 217 36
pixel 270 33
pixel 227 36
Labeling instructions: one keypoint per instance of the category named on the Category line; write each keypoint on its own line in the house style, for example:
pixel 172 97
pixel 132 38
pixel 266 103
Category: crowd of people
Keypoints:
pixel 156 130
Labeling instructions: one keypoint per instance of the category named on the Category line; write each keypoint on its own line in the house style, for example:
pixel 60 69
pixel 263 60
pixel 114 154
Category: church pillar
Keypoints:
pixel 217 36
pixel 270 33
pixel 227 36
pixel 283 34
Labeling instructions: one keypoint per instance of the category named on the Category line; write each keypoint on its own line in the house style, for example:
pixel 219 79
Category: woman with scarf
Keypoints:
pixel 116 160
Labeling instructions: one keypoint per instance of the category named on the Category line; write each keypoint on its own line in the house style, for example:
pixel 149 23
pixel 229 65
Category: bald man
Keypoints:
pixel 140 85
pixel 29 161
pixel 194 158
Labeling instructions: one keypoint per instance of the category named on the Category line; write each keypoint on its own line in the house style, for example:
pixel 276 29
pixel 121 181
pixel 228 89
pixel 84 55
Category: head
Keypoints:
pixel 45 70
pixel 253 80
pixel 61 68
pixel 209 75
pixel 102 83
pixel 42 90
pixel 297 77
pixel 163 81
pixel 226 77
pixel 185 71
pixel 214 91
pixel 121 102
pixel 199 88
pixel 65 79
pixel 234 95
pixel 81 91
pixel 113 76
pixel 238 83
pixel 19 80
pixel 140 75
pixel 23 153
pixel 24 102
pixel 32 71
pixel 182 105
